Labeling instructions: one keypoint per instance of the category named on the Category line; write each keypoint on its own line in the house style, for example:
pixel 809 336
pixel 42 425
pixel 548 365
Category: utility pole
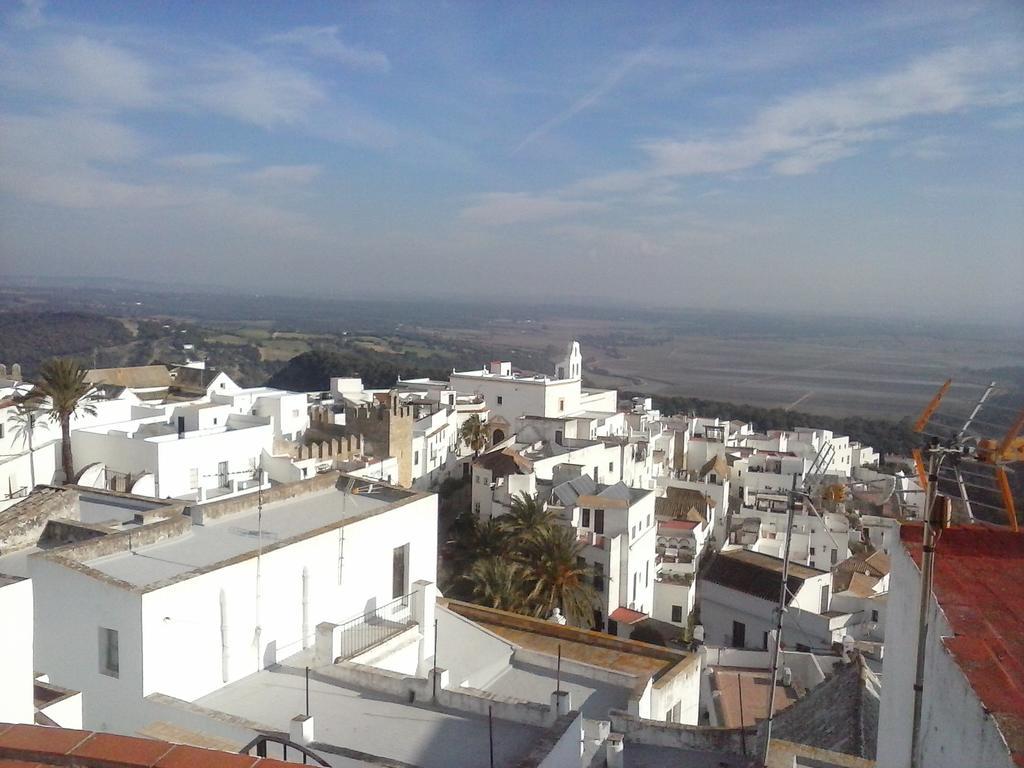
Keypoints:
pixel 780 612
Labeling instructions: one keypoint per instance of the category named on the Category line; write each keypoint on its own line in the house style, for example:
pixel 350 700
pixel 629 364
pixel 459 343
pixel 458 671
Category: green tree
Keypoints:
pixel 474 434
pixel 497 582
pixel 59 392
pixel 557 577
pixel 527 519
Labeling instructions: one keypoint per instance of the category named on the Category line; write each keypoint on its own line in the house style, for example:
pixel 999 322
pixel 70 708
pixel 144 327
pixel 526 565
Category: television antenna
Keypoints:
pixel 963 462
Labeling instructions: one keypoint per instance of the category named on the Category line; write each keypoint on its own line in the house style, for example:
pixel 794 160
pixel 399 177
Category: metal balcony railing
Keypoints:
pixel 373 628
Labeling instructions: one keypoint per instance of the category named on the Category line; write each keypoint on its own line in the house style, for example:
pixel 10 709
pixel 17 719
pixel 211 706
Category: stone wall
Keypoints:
pixel 638 730
pixel 23 524
pixel 232 506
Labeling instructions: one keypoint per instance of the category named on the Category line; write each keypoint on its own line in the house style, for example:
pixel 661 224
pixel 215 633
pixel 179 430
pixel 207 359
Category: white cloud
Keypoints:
pixel 799 133
pixel 83 71
pixel 30 15
pixel 284 174
pixel 323 42
pixel 247 88
pixel 194 161
pixel 501 208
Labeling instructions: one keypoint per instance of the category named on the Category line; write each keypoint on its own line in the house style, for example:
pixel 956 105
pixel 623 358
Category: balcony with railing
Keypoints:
pixel 374 627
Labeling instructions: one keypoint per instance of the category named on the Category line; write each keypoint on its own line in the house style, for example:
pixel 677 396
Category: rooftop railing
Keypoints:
pixel 374 627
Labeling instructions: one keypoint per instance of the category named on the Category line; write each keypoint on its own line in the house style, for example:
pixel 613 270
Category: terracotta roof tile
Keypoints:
pixel 978 570
pixel 109 749
pixel 626 615
pixel 194 757
pixel 30 741
pixel 24 745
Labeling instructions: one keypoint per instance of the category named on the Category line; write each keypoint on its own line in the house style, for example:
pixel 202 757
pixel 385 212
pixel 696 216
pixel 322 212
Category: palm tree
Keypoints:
pixel 474 434
pixel 59 392
pixel 528 518
pixel 497 583
pixel 557 576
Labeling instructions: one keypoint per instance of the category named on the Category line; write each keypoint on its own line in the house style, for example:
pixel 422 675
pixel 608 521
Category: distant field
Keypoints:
pixel 869 375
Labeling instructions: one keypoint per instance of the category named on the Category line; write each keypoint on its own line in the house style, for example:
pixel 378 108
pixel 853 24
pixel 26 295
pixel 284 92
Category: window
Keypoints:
pixel 561 404
pixel 399 563
pixel 611 466
pixel 585 518
pixel 647 573
pixel 648 521
pixel 598 521
pixel 476 509
pixel 677 613
pixel 416 460
pixel 835 556
pixel 598 620
pixel 558 437
pixel 874 615
pixel 764 640
pixel 739 634
pixel 500 400
pixel 613 627
pixel 215 421
pixel 812 552
pixel 596 478
pixel 599 577
pixel 824 599
pixel 109 658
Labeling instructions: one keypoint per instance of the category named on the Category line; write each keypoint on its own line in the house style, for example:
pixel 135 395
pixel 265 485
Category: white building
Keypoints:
pixel 286 410
pixel 821 540
pixel 199 451
pixel 972 707
pixel 16 668
pixel 616 525
pixel 232 588
pixel 511 394
pixel 739 597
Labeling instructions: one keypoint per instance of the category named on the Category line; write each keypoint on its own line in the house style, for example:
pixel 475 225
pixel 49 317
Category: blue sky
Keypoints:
pixel 848 157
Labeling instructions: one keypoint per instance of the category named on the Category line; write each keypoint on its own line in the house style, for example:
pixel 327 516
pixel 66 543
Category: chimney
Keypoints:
pixel 613 750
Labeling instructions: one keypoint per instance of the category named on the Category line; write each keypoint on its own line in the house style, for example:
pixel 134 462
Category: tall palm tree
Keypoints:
pixel 557 578
pixel 528 517
pixel 474 434
pixel 59 392
pixel 497 583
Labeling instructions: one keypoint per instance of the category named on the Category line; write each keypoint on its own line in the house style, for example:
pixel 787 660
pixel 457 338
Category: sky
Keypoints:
pixel 861 158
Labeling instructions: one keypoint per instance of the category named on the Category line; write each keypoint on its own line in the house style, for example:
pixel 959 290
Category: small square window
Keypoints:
pixel 109 654
pixel 500 400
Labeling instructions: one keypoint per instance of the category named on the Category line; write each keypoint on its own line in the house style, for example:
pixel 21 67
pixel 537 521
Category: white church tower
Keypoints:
pixel 572 366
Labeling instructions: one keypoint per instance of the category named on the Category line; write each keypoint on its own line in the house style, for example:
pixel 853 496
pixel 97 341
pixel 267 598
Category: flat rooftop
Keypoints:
pixel 743 698
pixel 234 535
pixel 370 722
pixel 534 683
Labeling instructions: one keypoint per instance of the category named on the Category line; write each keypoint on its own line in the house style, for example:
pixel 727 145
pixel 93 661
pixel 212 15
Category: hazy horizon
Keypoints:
pixel 855 160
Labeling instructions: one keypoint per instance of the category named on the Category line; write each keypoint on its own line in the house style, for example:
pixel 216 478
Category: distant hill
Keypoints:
pixel 29 338
pixel 312 371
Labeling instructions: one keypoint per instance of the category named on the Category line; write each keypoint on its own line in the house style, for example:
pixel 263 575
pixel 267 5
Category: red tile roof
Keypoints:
pixel 626 615
pixel 978 573
pixel 27 745
pixel 679 525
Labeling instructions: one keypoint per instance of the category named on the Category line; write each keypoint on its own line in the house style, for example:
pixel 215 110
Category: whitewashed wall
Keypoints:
pixel 16 661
